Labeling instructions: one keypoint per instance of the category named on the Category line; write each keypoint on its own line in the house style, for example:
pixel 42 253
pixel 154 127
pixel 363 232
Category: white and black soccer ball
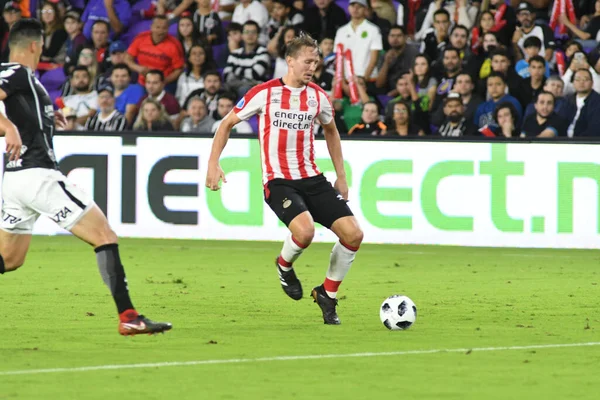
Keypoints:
pixel 398 312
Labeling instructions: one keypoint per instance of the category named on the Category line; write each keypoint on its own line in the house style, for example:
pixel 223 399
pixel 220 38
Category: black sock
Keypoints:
pixel 2 268
pixel 113 274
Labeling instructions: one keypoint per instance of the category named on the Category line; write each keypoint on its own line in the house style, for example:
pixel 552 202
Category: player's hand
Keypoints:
pixel 214 176
pixel 13 143
pixel 342 187
pixel 60 120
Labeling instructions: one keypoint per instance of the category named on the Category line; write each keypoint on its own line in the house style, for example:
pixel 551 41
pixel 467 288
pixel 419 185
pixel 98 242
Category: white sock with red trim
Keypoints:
pixel 292 249
pixel 340 262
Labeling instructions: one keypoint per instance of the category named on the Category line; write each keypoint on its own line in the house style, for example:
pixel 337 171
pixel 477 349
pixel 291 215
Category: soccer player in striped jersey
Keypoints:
pixel 294 187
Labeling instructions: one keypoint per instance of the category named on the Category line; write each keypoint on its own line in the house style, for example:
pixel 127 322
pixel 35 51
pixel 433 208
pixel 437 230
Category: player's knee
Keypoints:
pixel 355 237
pixel 106 236
pixel 13 262
pixel 305 235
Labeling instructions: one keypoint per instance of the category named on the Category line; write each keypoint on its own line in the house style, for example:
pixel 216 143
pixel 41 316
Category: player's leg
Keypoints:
pixel 13 249
pixel 331 210
pixel 288 204
pixel 17 217
pixel 73 209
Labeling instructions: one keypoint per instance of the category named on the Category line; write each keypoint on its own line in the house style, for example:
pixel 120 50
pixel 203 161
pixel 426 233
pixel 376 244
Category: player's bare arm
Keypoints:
pixel 334 145
pixel 215 173
pixel 10 131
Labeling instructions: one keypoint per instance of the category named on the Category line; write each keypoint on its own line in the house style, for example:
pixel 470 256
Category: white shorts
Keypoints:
pixel 32 192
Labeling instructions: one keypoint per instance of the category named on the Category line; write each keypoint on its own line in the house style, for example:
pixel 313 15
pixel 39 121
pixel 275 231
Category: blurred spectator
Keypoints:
pixel 485 25
pixel 117 54
pixel 107 118
pixel 84 100
pixel 545 123
pixel 117 13
pixel 585 106
pixel 193 77
pixel 11 14
pixel 249 65
pixel 465 87
pixel 463 12
pixel 172 8
pixel 210 94
pixel 579 61
pixel 455 124
pixel 75 40
pixel 370 123
pixel 86 59
pixel 282 15
pixel 152 117
pixel 155 87
pixel 555 86
pixel 156 50
pixel 71 117
pixel 322 77
pixel 398 60
pixel 532 47
pixel 489 45
pixel 225 105
pixel 402 124
pixel 253 10
pixel 100 35
pixel 434 40
pixel 496 90
pixel 198 120
pixel 187 33
pixel 225 8
pixel 234 42
pixel 590 31
pixel 351 113
pixel 363 39
pixel 505 21
pixel 526 16
pixel 326 49
pixel 534 85
pixel 452 68
pixel 407 93
pixel 208 23
pixel 324 19
pixel 383 24
pixel 127 93
pixel 504 123
pixel 459 39
pixel 54 35
pixel 501 63
pixel 281 67
pixel 385 9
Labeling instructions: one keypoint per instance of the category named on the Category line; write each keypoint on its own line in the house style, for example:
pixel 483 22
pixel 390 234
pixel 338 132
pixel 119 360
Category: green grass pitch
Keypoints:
pixel 225 303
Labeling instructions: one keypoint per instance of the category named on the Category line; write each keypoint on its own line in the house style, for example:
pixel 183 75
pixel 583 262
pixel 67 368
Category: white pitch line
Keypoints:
pixel 290 358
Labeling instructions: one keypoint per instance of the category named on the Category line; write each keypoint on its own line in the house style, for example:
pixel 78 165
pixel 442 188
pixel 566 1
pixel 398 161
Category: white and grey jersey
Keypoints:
pixel 28 106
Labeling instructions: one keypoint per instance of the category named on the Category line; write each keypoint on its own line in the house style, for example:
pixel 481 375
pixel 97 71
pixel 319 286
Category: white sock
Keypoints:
pixel 340 262
pixel 289 253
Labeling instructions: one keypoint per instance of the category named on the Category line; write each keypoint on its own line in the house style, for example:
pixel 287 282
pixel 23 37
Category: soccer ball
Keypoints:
pixel 398 312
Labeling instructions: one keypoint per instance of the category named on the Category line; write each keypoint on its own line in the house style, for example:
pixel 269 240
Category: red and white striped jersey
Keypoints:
pixel 286 117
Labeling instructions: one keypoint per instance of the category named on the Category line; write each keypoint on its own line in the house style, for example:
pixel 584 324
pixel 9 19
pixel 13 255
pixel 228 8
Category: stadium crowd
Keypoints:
pixel 497 68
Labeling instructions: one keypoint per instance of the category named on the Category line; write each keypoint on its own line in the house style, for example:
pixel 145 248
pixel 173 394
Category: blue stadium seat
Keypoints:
pixel 253 121
pixel 383 99
pixel 134 30
pixel 53 79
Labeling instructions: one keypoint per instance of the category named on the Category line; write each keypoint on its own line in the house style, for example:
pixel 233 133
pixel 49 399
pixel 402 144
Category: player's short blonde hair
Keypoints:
pixel 303 40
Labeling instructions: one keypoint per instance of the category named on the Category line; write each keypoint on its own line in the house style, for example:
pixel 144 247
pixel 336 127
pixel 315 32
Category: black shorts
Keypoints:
pixel 290 198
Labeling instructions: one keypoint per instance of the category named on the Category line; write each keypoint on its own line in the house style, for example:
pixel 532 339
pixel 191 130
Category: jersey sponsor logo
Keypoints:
pixel 297 121
pixel 61 215
pixel 241 103
pixel 11 219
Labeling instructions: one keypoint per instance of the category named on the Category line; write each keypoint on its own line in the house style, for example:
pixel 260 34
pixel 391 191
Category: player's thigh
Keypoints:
pixel 93 228
pixel 325 203
pixel 286 201
pixel 13 248
pixel 303 228
pixel 72 209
